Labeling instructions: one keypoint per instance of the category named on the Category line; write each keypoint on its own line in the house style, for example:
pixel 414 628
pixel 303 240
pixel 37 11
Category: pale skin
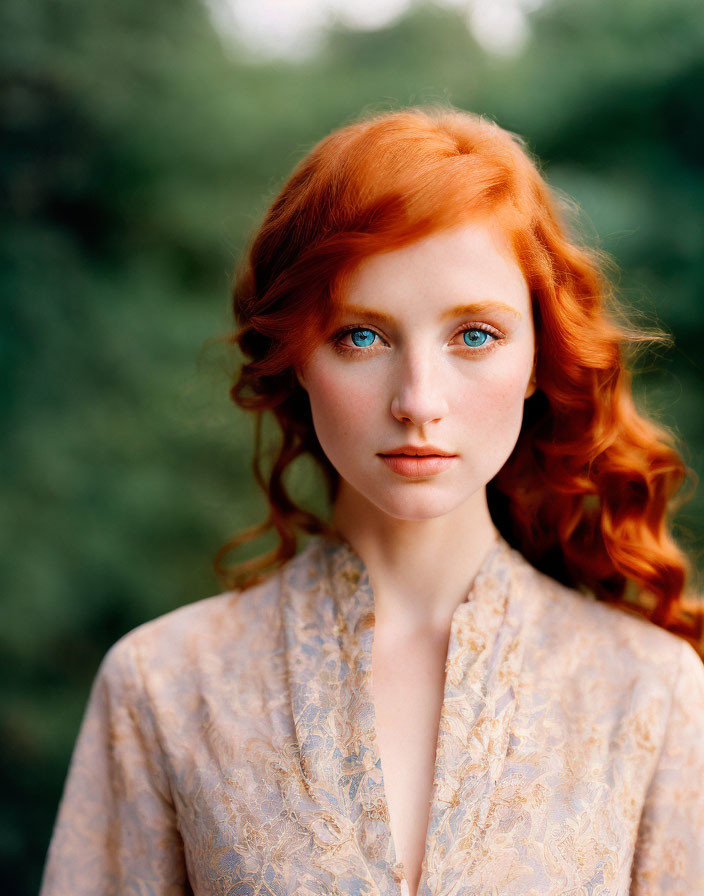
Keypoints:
pixel 413 378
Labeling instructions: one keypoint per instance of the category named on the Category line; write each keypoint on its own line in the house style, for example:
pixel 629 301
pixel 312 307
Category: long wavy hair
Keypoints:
pixel 588 490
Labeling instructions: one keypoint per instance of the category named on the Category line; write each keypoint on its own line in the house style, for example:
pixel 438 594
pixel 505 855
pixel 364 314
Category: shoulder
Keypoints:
pixel 226 630
pixel 575 635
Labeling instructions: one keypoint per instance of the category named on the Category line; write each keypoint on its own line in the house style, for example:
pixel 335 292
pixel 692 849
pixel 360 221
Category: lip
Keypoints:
pixel 419 466
pixel 418 450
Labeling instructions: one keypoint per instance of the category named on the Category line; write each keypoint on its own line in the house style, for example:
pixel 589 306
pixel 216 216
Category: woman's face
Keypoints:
pixel 403 364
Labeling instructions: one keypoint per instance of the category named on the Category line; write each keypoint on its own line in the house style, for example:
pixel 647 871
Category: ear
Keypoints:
pixel 532 383
pixel 299 376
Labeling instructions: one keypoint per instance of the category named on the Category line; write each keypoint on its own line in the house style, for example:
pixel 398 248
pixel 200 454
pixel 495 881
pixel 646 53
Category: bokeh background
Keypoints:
pixel 140 144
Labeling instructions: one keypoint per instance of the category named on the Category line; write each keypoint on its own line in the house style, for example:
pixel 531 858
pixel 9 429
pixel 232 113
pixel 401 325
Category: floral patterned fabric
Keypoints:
pixel 229 747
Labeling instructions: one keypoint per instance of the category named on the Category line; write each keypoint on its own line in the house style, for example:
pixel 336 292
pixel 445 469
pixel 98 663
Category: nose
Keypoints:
pixel 418 396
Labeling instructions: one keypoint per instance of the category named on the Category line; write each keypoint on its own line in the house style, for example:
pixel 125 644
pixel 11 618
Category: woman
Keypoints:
pixel 416 317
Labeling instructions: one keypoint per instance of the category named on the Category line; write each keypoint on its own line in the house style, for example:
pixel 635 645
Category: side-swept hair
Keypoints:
pixel 587 493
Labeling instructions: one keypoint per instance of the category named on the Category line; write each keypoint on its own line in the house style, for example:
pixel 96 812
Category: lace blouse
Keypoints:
pixel 229 747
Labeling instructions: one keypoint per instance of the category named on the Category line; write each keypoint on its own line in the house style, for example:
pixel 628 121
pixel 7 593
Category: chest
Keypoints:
pixel 279 789
pixel 407 683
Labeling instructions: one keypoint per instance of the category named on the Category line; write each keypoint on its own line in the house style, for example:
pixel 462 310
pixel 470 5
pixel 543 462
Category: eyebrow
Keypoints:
pixel 457 311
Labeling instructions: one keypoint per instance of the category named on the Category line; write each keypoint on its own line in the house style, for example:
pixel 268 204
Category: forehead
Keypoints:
pixel 471 263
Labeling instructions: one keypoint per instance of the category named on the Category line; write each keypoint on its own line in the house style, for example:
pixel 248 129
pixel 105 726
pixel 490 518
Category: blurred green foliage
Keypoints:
pixel 138 153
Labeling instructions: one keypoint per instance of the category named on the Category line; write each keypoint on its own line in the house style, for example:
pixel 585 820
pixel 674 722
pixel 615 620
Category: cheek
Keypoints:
pixel 494 397
pixel 341 406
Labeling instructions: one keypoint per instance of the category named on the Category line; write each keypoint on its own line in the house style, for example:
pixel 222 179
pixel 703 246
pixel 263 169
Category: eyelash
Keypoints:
pixel 361 350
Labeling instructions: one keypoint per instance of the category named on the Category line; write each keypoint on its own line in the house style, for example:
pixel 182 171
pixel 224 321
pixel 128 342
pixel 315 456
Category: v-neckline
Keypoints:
pixel 472 735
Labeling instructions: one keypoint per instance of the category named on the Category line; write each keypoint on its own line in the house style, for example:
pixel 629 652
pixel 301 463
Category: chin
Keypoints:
pixel 429 502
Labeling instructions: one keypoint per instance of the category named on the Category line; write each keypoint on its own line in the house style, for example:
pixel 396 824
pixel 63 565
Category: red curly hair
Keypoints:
pixel 588 489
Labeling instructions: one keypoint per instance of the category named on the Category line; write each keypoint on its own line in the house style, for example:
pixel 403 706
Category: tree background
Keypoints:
pixel 139 150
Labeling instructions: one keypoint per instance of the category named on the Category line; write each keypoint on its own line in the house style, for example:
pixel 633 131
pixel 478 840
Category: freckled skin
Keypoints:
pixel 418 381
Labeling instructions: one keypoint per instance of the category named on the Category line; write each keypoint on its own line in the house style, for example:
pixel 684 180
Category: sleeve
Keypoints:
pixel 669 853
pixel 116 829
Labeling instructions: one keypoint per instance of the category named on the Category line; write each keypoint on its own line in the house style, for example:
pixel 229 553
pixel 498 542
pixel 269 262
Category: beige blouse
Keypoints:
pixel 228 747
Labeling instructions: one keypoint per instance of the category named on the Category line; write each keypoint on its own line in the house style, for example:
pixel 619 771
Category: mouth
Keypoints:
pixel 417 451
pixel 411 454
pixel 415 466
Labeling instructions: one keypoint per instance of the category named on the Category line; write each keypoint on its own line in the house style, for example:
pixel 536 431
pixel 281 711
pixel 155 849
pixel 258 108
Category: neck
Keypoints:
pixel 420 570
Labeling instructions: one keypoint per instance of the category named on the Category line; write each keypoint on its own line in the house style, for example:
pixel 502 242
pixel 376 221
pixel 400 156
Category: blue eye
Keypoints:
pixel 478 337
pixel 367 334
